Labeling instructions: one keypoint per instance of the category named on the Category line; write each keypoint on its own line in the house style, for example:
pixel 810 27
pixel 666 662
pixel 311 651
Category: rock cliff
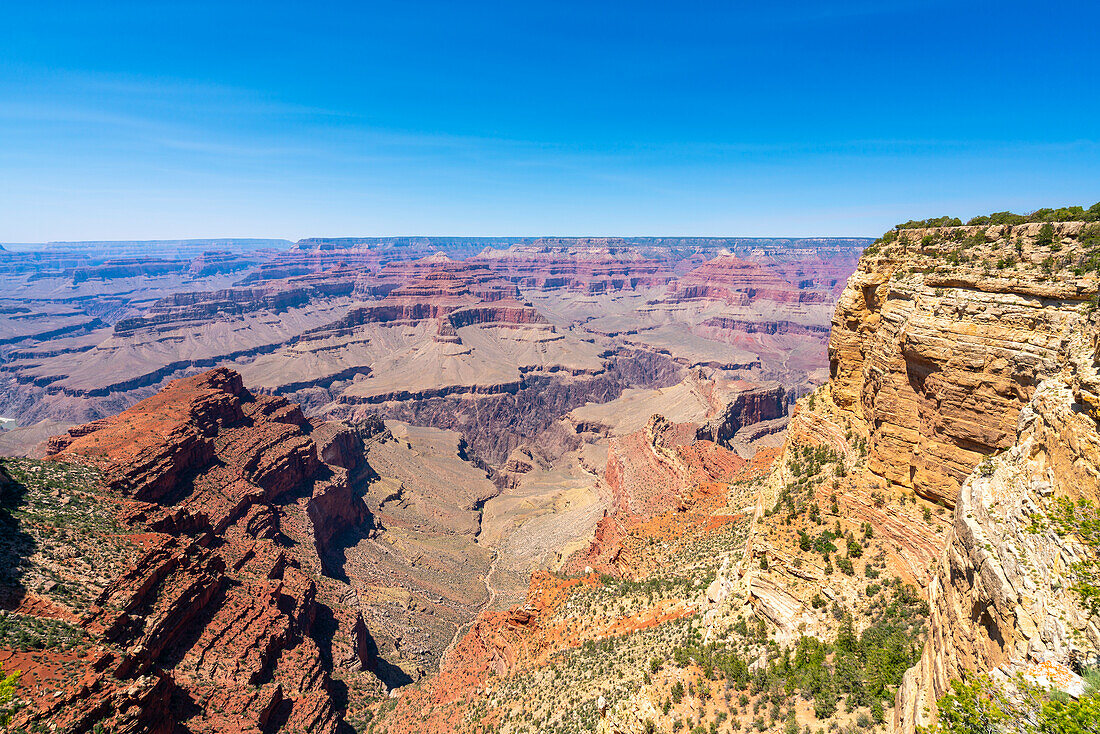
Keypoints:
pixel 938 343
pixel 960 416
pixel 964 364
pixel 583 267
pixel 1006 595
pixel 226 621
pixel 740 282
pixel 1002 597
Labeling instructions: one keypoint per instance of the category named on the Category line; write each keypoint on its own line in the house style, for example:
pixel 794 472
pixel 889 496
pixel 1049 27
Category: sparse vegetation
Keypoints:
pixel 980 706
pixel 1081 521
pixel 62 539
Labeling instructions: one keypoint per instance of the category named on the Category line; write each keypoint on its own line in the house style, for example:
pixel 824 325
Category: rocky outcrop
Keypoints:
pixel 719 324
pixel 453 293
pixel 964 371
pixel 215 262
pixel 496 422
pixel 221 624
pixel 826 268
pixel 128 268
pixel 580 266
pixel 753 406
pixel 936 352
pixel 198 308
pixel 1003 599
pixel 741 282
pixel 660 469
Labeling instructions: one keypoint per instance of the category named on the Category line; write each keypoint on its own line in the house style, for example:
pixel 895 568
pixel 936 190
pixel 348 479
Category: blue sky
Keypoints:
pixel 141 120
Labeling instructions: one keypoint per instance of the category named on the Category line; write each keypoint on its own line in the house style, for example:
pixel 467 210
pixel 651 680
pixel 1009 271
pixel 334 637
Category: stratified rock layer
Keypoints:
pixel 964 374
pixel 967 359
pixel 938 361
pixel 221 625
pixel 1001 598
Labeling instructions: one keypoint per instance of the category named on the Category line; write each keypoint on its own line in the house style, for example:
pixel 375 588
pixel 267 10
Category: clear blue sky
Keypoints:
pixel 147 120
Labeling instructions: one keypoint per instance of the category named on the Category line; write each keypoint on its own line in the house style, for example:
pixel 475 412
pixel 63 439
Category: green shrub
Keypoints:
pixel 1081 521
pixel 7 696
pixel 933 222
pixel 1061 214
pixel 980 706
pixel 1045 238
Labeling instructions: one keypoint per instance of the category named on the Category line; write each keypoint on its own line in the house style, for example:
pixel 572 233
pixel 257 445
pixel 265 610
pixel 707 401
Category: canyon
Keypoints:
pixel 458 412
pixel 432 331
pixel 549 484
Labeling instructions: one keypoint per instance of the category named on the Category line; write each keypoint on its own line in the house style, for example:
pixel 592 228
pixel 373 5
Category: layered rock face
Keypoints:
pixel 963 375
pixel 496 421
pixel 201 308
pixel 517 254
pixel 327 323
pixel 650 472
pixel 150 330
pixel 826 268
pixel 765 404
pixel 935 349
pixel 964 361
pixel 365 254
pixel 586 269
pixel 740 282
pixel 439 288
pixel 225 622
pixel 1002 599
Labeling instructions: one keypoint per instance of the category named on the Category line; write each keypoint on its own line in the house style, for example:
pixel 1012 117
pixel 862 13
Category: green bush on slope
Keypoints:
pixel 8 703
pixel 980 706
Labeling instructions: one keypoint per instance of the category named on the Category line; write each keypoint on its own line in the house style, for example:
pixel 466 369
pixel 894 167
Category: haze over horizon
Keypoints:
pixel 196 120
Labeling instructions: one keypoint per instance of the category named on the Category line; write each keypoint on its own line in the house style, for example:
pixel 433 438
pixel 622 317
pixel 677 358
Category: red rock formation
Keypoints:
pixel 826 269
pixel 659 471
pixel 363 254
pixel 497 643
pixel 749 407
pixel 216 627
pixel 439 288
pixel 587 268
pixel 739 282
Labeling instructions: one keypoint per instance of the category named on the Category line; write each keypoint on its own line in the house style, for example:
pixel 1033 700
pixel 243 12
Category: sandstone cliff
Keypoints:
pixel 964 363
pixel 1002 598
pixel 963 368
pixel 938 342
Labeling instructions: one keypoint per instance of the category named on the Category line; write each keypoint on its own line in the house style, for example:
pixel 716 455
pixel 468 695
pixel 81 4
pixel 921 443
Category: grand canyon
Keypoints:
pixel 518 485
pixel 563 367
